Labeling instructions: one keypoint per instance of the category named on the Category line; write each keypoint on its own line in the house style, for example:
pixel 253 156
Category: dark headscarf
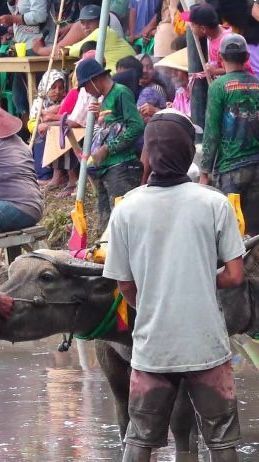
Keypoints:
pixel 169 142
pixel 130 79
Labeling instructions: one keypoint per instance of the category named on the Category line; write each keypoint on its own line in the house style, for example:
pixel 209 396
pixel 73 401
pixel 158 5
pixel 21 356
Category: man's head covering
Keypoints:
pixel 233 44
pixel 9 125
pixel 169 142
pixel 90 13
pixel 87 70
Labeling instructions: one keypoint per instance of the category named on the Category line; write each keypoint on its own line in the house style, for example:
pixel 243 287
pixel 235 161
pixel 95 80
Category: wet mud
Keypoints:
pixel 57 407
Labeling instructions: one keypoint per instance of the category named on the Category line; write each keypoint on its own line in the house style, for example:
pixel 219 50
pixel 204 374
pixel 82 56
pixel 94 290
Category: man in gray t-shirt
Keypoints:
pixel 165 239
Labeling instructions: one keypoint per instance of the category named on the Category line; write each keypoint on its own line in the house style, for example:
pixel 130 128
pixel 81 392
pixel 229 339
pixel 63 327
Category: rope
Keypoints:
pixel 106 324
pixel 52 56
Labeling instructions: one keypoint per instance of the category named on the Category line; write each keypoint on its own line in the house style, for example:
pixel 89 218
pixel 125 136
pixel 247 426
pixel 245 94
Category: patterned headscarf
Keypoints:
pixel 53 77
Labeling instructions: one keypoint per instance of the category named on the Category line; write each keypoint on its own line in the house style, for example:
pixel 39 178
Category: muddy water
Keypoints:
pixel 54 408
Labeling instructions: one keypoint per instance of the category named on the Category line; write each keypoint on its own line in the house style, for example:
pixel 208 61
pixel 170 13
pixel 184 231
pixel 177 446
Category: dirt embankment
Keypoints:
pixel 57 218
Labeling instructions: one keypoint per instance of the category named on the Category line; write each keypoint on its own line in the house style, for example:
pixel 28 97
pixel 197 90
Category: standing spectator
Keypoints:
pixel 205 23
pixel 195 226
pixel 231 135
pixel 140 14
pixel 117 169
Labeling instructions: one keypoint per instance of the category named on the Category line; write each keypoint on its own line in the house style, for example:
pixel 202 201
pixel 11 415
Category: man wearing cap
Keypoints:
pixel 21 204
pixel 115 47
pixel 231 136
pixel 164 242
pixel 117 168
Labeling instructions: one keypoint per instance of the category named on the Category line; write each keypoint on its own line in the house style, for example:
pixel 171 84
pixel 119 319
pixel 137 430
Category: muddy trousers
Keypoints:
pixel 151 402
pixel 138 454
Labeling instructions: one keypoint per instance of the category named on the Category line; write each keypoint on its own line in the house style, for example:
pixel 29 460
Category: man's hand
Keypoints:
pixel 37 44
pixel 129 291
pixel 147 110
pixel 42 129
pixel 7 20
pixel 204 178
pixel 100 154
pixel 6 306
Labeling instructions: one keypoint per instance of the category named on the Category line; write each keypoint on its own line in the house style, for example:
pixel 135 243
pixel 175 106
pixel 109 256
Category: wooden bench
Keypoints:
pixel 27 239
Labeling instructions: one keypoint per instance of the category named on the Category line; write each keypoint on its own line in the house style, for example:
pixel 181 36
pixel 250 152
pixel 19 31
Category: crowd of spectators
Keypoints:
pixel 145 70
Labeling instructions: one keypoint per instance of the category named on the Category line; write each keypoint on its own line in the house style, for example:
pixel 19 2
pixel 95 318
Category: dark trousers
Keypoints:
pixel 117 181
pixel 243 181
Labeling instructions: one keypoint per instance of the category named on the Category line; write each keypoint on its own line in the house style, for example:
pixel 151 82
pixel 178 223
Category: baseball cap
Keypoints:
pixel 233 43
pixel 203 15
pixel 87 70
pixel 90 12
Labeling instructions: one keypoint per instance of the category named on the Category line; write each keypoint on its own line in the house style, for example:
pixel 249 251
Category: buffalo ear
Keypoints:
pixel 100 289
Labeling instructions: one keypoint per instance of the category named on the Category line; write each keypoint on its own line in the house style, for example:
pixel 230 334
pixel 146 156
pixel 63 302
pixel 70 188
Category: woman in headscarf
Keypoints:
pixel 55 92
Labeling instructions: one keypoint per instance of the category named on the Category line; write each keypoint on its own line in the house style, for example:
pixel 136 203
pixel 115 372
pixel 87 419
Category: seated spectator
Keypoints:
pixel 55 93
pixel 115 46
pixel 177 64
pixel 50 113
pixel 153 95
pixel 21 204
pixel 129 73
pixel 27 19
pixel 74 33
pixel 115 164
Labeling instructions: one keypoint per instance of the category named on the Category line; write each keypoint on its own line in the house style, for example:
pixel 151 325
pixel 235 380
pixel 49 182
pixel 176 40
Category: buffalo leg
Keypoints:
pixel 117 372
pixel 184 427
pixel 224 455
pixel 136 454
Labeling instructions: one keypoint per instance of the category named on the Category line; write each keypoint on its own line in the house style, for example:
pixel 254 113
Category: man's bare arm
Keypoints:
pixel 232 275
pixel 129 291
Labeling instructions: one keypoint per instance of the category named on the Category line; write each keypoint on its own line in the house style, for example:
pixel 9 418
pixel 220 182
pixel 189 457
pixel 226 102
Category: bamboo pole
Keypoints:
pixel 198 45
pixel 90 121
pixel 52 56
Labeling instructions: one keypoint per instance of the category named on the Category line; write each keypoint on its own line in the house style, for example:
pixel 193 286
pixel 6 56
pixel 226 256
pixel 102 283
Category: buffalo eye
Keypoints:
pixel 47 276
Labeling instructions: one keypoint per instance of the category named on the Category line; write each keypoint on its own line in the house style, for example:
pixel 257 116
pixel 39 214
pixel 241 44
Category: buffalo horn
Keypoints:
pixel 76 267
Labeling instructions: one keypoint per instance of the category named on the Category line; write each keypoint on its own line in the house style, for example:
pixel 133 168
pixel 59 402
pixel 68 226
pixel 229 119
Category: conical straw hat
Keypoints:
pixel 52 149
pixel 9 125
pixel 177 60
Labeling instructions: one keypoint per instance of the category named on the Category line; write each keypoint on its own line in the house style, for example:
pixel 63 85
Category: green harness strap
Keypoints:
pixel 106 324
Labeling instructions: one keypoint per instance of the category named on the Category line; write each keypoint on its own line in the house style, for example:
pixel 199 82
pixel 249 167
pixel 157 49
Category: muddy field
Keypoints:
pixel 57 407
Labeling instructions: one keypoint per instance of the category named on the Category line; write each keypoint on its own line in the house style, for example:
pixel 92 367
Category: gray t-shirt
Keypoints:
pixel 18 183
pixel 167 240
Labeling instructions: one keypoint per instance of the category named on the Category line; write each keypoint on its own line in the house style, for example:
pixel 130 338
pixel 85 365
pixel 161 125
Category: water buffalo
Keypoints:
pixel 56 294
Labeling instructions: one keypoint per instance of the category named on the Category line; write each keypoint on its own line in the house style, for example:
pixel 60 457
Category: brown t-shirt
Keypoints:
pixel 18 183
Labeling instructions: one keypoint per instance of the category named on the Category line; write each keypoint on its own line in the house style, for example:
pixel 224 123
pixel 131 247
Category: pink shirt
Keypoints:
pixel 214 47
pixel 182 101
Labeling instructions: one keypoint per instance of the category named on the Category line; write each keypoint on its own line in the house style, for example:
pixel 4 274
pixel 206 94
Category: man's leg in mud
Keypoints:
pixel 151 401
pixel 213 395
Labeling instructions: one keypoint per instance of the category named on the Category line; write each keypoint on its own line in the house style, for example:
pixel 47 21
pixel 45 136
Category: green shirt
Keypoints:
pixel 120 100
pixel 231 135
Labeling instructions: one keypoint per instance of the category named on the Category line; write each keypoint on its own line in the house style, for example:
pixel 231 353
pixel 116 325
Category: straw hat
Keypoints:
pixel 9 125
pixel 177 60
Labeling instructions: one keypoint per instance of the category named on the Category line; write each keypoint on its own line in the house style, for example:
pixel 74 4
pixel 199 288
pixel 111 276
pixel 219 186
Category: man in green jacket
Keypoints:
pixel 231 135
pixel 116 167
